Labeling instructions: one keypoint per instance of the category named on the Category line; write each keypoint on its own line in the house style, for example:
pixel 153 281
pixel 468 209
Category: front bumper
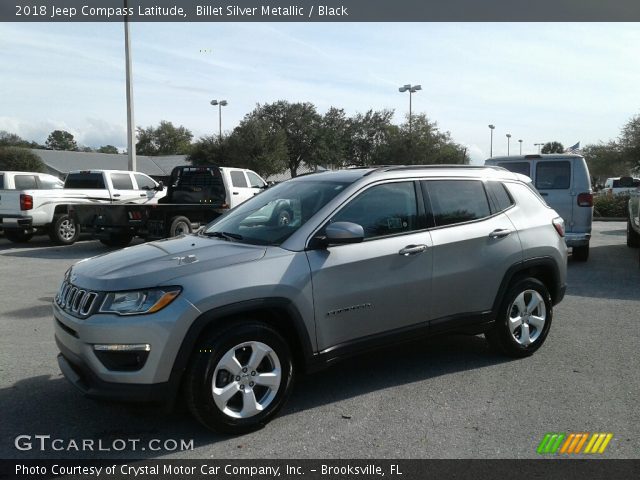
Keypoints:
pixel 577 239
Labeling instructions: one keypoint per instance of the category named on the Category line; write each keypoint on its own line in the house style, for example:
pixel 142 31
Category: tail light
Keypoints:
pixel 558 224
pixel 26 202
pixel 585 200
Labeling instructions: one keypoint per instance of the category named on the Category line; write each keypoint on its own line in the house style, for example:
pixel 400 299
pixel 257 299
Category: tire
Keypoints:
pixel 581 254
pixel 507 336
pixel 633 239
pixel 117 240
pixel 224 360
pixel 18 236
pixel 63 230
pixel 179 226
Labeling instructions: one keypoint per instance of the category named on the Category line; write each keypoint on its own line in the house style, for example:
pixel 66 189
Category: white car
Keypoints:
pixel 620 185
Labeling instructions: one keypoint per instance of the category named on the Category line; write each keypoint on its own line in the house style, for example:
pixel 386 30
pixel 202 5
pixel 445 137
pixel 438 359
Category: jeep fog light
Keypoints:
pixel 122 357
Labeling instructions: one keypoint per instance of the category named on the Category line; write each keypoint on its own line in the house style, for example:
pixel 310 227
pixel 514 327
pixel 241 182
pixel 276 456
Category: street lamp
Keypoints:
pixel 131 127
pixel 491 144
pixel 508 142
pixel 538 145
pixel 220 104
pixel 411 89
pixel 520 141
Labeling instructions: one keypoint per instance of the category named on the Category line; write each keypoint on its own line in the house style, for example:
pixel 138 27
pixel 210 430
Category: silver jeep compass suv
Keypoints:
pixel 310 271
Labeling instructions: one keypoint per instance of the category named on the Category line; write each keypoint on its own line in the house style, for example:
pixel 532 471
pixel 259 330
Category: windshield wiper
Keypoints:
pixel 225 235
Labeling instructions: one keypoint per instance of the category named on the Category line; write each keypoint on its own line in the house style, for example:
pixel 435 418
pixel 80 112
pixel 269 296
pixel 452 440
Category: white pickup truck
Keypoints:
pixel 33 203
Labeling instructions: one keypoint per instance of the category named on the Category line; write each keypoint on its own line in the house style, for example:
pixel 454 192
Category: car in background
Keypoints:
pixel 620 185
pixel 563 181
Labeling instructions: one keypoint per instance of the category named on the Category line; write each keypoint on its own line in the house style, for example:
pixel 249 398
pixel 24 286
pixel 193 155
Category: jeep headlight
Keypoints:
pixel 137 302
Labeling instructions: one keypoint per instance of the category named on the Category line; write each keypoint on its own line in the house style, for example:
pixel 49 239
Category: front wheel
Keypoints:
pixel 63 230
pixel 179 226
pixel 239 378
pixel 524 319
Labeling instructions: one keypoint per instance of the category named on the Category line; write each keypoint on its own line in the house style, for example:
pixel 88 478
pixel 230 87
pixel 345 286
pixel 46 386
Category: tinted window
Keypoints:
pixel 84 181
pixel 144 182
pixel 1 181
pixel 517 167
pixel 255 180
pixel 121 181
pixel 383 210
pixel 238 179
pixel 553 175
pixel 457 201
pixel 503 199
pixel 25 182
pixel 47 183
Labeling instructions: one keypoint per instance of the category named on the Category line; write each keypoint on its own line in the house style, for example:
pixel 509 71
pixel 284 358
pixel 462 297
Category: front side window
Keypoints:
pixel 238 180
pixel 255 180
pixel 457 201
pixel 382 210
pixel 554 175
pixel 274 215
pixel 121 181
pixel 48 183
pixel 144 182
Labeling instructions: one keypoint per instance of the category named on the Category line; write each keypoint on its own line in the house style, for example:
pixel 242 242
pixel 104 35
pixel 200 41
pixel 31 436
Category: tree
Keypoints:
pixel 20 160
pixel 606 160
pixel 61 140
pixel 107 149
pixel 335 137
pixel 166 139
pixel 368 133
pixel 553 147
pixel 12 140
pixel 630 142
pixel 210 150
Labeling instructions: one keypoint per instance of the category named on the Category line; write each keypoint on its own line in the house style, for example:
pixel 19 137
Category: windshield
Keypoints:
pixel 272 216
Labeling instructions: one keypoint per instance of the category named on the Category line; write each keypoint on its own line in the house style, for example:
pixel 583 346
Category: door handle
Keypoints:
pixel 412 250
pixel 143 194
pixel 116 194
pixel 500 233
pixel 236 193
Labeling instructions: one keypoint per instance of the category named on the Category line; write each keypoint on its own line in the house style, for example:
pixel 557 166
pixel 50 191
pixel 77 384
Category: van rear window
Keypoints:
pixel 523 168
pixel 555 175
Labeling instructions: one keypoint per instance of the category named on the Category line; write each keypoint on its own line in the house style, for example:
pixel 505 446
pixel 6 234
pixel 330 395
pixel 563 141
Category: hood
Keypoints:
pixel 158 263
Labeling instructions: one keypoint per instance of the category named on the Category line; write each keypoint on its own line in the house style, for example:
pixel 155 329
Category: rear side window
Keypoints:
pixel 25 182
pixel 523 168
pixel 238 180
pixel 502 197
pixel 144 182
pixel 121 181
pixel 457 201
pixel 1 181
pixel 554 175
pixel 89 181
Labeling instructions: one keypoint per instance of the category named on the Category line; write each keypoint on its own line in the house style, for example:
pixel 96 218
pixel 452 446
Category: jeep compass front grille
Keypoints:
pixel 76 301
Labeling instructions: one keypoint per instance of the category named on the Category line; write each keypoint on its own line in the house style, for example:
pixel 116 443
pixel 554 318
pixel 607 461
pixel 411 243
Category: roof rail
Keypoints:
pixel 393 168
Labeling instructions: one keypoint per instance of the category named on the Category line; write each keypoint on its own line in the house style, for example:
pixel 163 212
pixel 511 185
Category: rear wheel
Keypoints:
pixel 633 239
pixel 239 378
pixel 117 240
pixel 581 253
pixel 524 319
pixel 179 226
pixel 63 230
pixel 18 236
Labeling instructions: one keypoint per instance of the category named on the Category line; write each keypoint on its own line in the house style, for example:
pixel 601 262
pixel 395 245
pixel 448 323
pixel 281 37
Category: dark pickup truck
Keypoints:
pixel 195 196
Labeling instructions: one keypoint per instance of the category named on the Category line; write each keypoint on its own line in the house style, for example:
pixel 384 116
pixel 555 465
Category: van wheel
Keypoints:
pixel 633 239
pixel 239 378
pixel 524 319
pixel 581 254
pixel 179 226
pixel 63 230
pixel 18 236
pixel 117 240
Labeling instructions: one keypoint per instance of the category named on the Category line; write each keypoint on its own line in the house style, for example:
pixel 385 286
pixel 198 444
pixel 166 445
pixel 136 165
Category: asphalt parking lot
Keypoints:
pixel 449 397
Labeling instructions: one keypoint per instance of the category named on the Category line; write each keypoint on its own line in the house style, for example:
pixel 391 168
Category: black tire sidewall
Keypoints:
pixel 54 234
pixel 507 343
pixel 203 365
pixel 174 225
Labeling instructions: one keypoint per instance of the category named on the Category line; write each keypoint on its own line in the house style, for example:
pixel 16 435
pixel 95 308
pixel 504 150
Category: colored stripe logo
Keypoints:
pixel 574 443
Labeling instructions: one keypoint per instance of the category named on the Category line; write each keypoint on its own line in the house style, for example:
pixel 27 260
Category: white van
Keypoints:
pixel 563 180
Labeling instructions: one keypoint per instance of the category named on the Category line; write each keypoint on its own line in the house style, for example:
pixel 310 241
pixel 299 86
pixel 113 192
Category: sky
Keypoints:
pixel 570 82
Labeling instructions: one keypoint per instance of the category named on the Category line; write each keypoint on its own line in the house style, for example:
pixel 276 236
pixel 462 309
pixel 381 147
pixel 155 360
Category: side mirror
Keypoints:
pixel 160 186
pixel 340 233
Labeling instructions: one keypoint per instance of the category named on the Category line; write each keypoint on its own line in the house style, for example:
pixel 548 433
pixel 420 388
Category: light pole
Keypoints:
pixel 220 104
pixel 520 141
pixel 411 89
pixel 491 144
pixel 538 145
pixel 131 129
pixel 508 142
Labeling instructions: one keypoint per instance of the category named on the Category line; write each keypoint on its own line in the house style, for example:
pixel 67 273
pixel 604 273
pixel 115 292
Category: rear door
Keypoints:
pixel 473 246
pixel 553 178
pixel 123 190
pixel 240 189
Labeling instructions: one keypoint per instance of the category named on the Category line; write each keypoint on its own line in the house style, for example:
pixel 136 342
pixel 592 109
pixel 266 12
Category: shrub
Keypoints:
pixel 610 205
pixel 20 160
